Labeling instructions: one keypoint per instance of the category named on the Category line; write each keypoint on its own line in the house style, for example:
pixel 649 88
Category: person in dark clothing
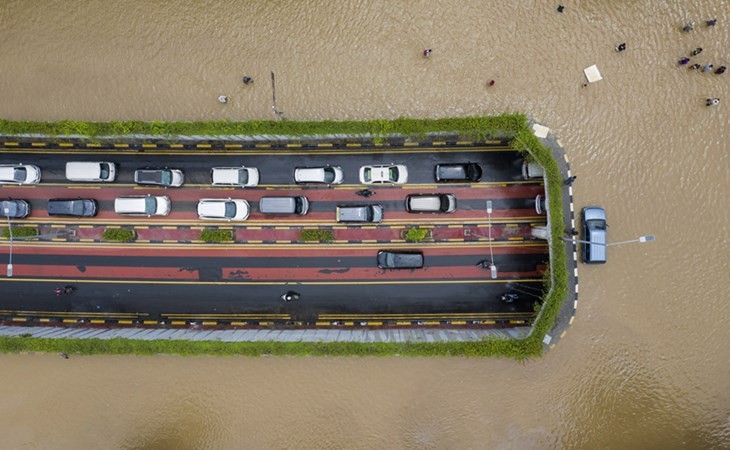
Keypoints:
pixel 569 181
pixel 697 51
pixel 720 70
pixel 688 27
pixel 711 22
pixel 695 66
pixel 621 47
pixel 365 193
pixel 561 8
pixel 247 80
pixel 683 61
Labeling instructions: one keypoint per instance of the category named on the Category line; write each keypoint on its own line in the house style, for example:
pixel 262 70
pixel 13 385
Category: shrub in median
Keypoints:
pixel 20 232
pixel 119 235
pixel 216 235
pixel 416 234
pixel 317 235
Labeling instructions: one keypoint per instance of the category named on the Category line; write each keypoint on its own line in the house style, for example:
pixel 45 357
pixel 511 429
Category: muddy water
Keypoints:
pixel 644 365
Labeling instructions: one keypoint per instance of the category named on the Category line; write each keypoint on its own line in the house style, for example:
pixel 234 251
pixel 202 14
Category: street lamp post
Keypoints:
pixel 492 266
pixel 10 232
pixel 640 239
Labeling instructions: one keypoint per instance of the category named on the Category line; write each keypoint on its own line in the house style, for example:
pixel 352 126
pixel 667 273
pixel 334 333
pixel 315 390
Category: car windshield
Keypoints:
pixel 77 207
pixel 104 171
pixel 367 174
pixel 19 174
pixel 597 224
pixel 230 210
pixel 165 177
pixel 389 259
pixel 329 175
pixel 393 174
pixel 243 176
pixel 150 205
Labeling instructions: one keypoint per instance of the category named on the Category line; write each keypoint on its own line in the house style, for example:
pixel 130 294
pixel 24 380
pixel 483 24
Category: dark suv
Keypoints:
pixel 391 259
pixel 469 172
pixel 74 207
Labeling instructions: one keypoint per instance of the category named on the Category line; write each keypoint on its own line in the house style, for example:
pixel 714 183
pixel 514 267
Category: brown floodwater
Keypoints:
pixel 645 364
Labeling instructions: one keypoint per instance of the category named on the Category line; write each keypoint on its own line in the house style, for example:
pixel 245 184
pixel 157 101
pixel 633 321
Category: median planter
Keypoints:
pixel 20 232
pixel 317 235
pixel 119 235
pixel 416 234
pixel 216 236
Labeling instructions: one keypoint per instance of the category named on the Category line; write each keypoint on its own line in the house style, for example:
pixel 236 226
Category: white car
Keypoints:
pixel 19 174
pixel 391 173
pixel 223 209
pixel 235 176
pixel 142 205
pixel 322 175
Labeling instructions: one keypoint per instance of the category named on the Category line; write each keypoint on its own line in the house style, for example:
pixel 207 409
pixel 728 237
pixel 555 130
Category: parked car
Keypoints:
pixel 399 259
pixel 284 205
pixel 19 174
pixel 390 173
pixel 321 175
pixel 159 177
pixel 461 172
pixel 14 209
pixel 75 207
pixel 223 209
pixel 360 213
pixel 532 170
pixel 235 176
pixel 430 203
pixel 594 235
pixel 91 171
pixel 142 205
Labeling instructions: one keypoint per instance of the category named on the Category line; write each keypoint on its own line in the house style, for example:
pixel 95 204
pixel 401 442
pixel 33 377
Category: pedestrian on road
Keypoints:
pixel 484 264
pixel 720 70
pixel 621 47
pixel 290 295
pixel 713 102
pixel 695 66
pixel 569 181
pixel 223 98
pixel 427 53
pixel 711 22
pixel 247 80
pixel 683 61
pixel 707 68
pixel 688 27
pixel 697 51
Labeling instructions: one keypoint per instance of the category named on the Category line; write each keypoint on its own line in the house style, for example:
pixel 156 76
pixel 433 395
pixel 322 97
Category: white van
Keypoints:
pixel 142 205
pixel 91 171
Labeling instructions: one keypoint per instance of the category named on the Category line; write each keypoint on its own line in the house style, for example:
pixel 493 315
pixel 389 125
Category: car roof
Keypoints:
pixel 594 213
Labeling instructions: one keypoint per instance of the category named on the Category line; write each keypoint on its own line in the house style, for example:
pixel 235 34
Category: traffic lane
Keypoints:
pixel 159 300
pixel 278 167
pixel 323 267
pixel 504 198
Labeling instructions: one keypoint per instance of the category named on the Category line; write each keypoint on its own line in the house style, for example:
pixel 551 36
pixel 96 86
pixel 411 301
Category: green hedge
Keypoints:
pixel 474 127
pixel 416 234
pixel 20 232
pixel 317 235
pixel 513 126
pixel 119 235
pixel 216 235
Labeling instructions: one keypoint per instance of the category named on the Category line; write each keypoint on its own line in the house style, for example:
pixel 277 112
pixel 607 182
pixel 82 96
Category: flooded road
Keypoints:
pixel 643 366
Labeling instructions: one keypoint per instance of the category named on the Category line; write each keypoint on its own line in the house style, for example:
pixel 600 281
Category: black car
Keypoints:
pixel 391 259
pixel 74 207
pixel 470 172
pixel 14 209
